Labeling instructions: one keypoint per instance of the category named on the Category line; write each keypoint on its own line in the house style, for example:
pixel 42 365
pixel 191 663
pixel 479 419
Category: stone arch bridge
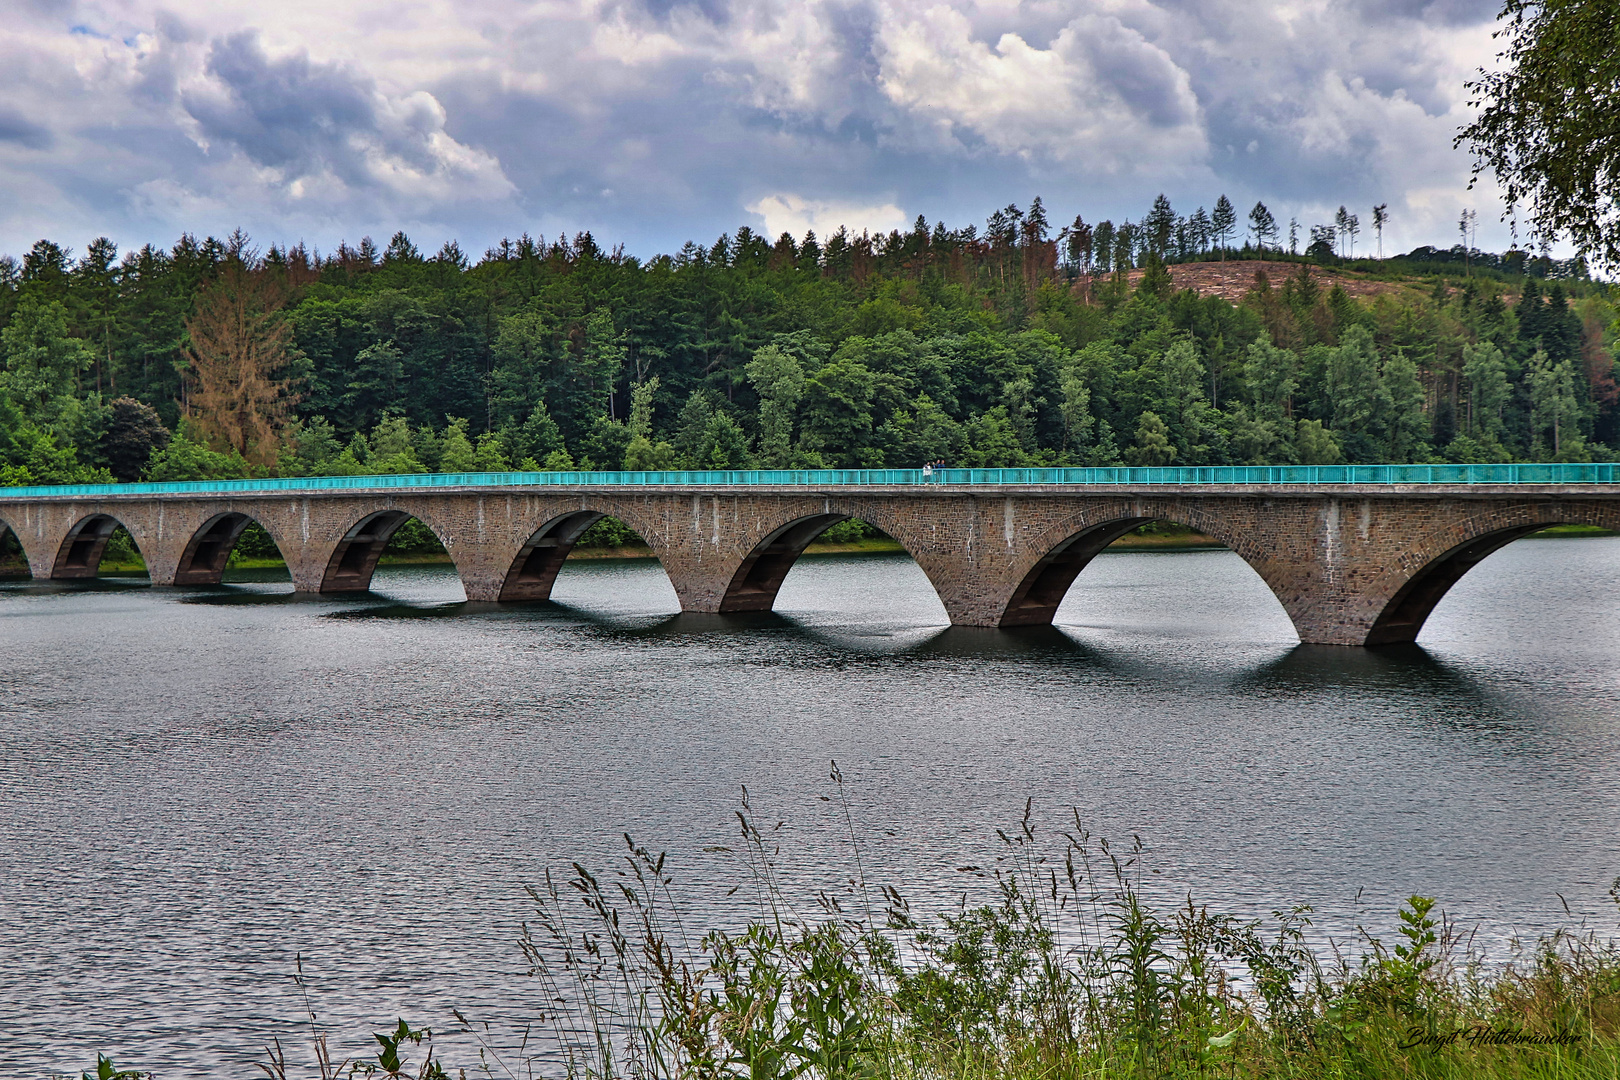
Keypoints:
pixel 1352 563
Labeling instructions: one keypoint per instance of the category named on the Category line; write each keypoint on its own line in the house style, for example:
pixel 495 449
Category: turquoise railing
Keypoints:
pixel 1559 473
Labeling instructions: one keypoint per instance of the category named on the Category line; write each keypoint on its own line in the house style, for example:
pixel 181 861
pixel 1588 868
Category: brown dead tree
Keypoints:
pixel 238 399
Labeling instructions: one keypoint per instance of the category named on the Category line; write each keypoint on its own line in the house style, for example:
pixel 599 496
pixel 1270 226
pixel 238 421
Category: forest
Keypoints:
pixel 1023 343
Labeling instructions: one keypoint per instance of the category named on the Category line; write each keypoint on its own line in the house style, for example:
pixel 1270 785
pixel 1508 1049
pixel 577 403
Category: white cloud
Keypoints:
pixel 785 213
pixel 1101 95
pixel 655 121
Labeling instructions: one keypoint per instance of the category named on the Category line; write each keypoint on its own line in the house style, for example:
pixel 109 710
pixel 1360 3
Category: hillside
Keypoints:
pixel 1231 279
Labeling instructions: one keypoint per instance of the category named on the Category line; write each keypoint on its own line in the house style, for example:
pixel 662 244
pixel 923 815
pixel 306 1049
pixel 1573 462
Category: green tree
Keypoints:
pixel 376 384
pixel 642 453
pixel 455 448
pixel 1408 425
pixel 1315 445
pixel 836 424
pixel 1159 225
pixel 134 430
pixel 1547 122
pixel 1272 375
pixel 185 458
pixel 991 442
pixel 1553 408
pixel 488 455
pixel 1252 439
pixel 527 361
pixel 30 455
pixel 1172 387
pixel 778 379
pixel 1262 226
pixel 1222 222
pixel 43 362
pixel 353 460
pixel 535 439
pixel 310 448
pixel 1155 278
pixel 1152 441
pixel 604 443
pixel 691 427
pixel 1487 391
pixel 725 444
pixel 605 353
pixel 1360 402
pixel 1076 409
pixel 391 448
pixel 920 433
pixel 428 446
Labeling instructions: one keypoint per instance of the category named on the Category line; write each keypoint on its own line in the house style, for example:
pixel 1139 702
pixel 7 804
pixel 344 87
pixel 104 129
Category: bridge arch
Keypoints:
pixel 203 560
pixel 79 556
pixel 9 533
pixel 1401 601
pixel 758 578
pixel 535 567
pixel 1059 555
pixel 354 559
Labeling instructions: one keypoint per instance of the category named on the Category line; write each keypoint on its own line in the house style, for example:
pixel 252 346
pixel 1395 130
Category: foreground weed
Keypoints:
pixel 1065 971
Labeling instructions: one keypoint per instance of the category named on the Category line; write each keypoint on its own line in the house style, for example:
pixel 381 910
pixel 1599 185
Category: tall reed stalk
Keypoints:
pixel 1066 972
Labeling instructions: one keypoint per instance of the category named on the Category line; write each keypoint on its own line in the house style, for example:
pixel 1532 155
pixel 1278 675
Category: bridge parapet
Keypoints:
pixel 1315 477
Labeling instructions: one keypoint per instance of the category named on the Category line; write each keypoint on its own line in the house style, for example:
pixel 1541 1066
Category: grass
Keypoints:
pixel 1574 530
pixel 1068 972
pixel 1064 971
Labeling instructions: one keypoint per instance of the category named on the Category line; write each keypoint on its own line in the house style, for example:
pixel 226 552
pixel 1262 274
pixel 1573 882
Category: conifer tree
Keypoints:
pixel 240 347
pixel 1222 222
pixel 1159 224
pixel 1262 225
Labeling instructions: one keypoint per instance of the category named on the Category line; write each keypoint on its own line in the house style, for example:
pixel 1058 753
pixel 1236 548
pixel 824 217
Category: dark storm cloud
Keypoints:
pixel 1143 77
pixel 289 114
pixel 14 128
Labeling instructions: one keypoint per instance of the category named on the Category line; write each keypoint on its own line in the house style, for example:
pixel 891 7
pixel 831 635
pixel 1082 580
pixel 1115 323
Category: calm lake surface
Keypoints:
pixel 198 786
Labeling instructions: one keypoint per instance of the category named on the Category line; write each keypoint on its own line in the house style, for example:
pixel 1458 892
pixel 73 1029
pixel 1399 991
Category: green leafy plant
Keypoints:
pixel 106 1070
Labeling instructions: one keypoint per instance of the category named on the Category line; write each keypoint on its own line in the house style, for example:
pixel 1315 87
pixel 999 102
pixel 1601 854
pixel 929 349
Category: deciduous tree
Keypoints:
pixel 1548 126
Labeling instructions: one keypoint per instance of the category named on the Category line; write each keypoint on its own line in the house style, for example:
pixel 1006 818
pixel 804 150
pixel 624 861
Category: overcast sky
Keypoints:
pixel 651 122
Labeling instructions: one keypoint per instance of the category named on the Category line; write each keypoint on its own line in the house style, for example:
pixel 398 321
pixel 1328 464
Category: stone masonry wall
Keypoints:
pixel 1334 560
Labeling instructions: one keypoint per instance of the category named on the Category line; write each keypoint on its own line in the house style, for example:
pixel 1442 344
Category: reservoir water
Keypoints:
pixel 198 787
